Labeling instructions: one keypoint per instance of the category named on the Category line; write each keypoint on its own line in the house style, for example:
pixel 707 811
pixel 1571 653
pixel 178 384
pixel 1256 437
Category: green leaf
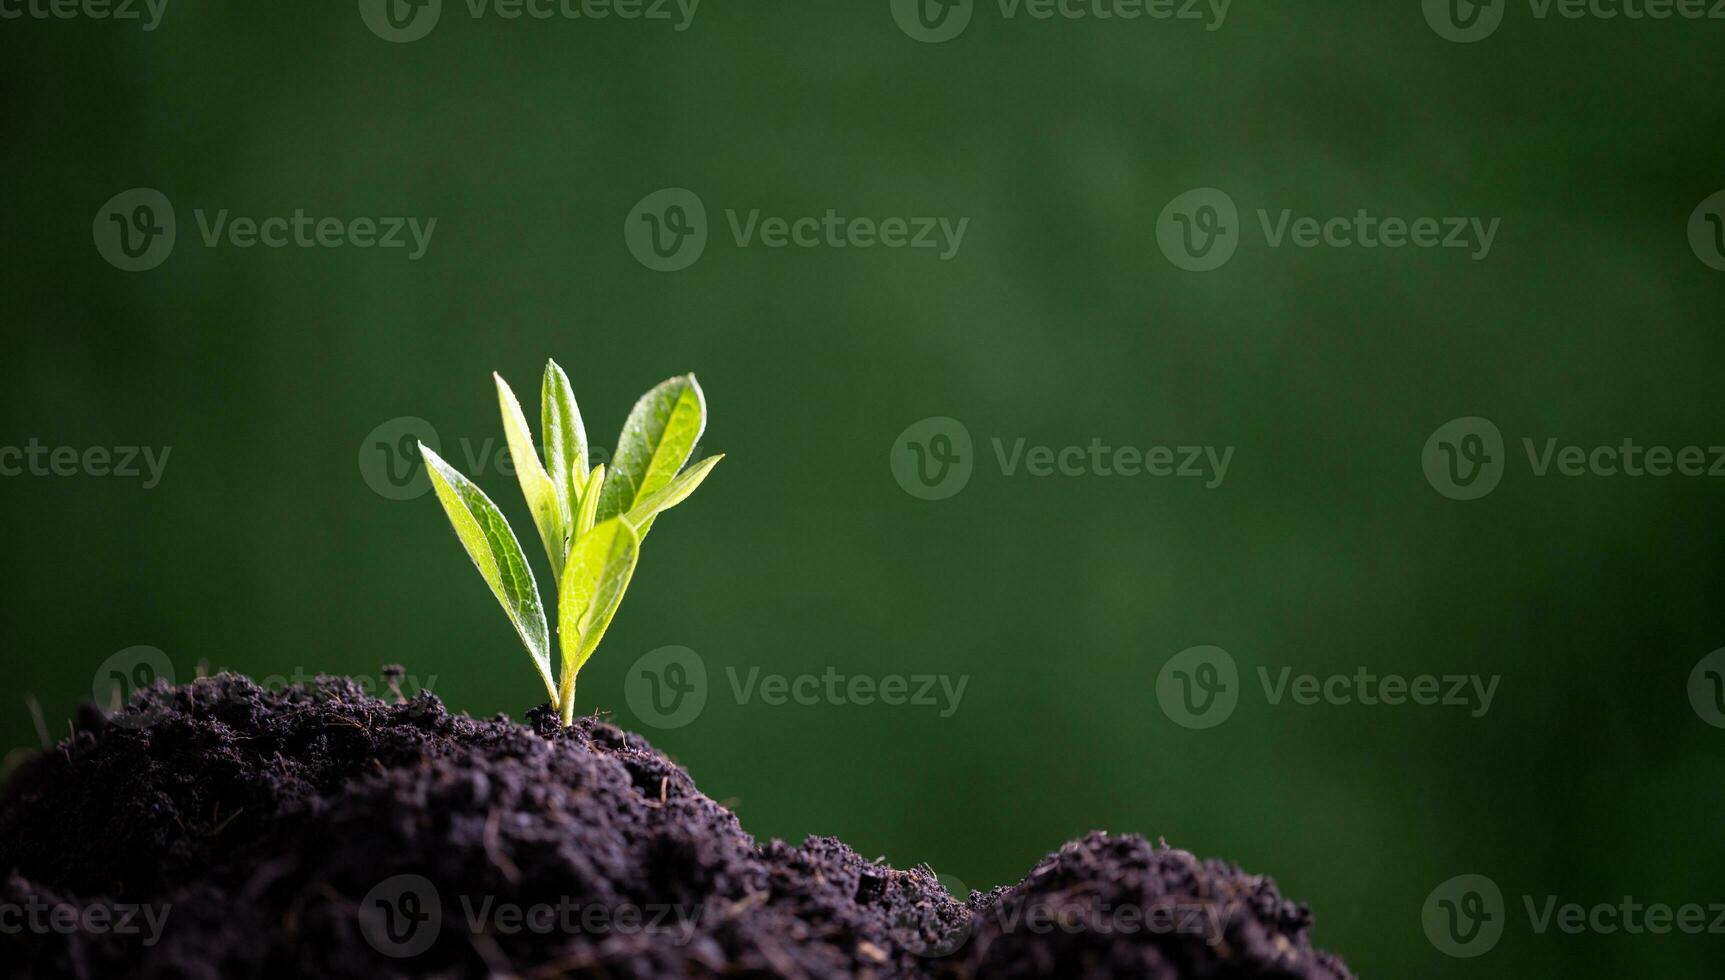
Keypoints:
pixel 598 573
pixel 497 554
pixel 657 439
pixel 565 444
pixel 536 486
pixel 587 514
pixel 671 494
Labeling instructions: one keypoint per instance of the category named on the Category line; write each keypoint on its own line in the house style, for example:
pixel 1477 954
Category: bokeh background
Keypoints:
pixel 265 548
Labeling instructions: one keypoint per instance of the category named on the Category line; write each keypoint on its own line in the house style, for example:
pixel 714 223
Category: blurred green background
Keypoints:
pixel 265 549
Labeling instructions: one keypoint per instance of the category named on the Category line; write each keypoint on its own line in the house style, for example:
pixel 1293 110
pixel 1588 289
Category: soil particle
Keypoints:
pixel 220 830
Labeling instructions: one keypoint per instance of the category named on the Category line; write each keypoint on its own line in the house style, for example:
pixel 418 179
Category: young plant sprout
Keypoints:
pixel 591 521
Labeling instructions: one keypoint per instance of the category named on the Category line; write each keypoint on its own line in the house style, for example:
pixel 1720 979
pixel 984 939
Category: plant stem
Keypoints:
pixel 566 698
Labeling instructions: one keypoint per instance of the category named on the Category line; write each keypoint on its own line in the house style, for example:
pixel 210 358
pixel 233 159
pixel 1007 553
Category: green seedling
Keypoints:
pixel 590 520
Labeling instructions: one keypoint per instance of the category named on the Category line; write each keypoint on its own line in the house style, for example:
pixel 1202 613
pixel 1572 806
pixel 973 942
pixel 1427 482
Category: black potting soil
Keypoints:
pixel 220 830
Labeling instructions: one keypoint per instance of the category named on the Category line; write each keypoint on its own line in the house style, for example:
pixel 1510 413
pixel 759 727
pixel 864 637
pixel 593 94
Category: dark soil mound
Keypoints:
pixel 218 830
